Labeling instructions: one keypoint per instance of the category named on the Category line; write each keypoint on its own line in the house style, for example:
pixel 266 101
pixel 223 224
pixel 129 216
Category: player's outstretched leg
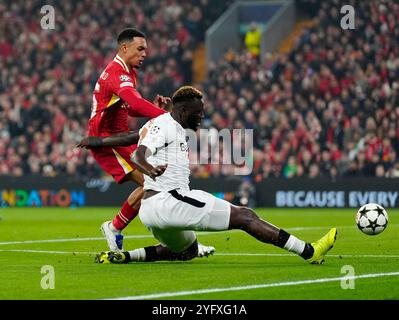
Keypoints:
pixel 247 220
pixel 148 254
pixel 112 229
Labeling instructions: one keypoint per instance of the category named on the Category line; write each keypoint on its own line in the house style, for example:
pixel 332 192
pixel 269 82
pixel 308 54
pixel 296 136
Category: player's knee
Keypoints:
pixel 241 217
pixel 248 215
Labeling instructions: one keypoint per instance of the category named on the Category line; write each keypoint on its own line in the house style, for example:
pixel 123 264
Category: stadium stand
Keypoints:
pixel 48 76
pixel 329 107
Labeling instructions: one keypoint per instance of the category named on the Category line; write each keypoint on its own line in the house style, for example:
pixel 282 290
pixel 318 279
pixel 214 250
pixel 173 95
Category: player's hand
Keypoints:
pixel 90 142
pixel 162 102
pixel 157 171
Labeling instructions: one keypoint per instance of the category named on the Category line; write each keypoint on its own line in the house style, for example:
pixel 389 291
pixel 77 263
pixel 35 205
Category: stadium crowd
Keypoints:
pixel 47 76
pixel 328 108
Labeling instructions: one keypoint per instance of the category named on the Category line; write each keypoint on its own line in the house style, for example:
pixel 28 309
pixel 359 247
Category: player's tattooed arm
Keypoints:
pixel 139 159
pixel 123 139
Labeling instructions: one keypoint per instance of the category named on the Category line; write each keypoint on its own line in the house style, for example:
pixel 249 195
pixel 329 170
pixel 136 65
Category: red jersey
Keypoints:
pixel 115 98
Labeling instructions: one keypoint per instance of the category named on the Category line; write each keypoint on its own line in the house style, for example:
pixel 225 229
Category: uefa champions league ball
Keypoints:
pixel 371 219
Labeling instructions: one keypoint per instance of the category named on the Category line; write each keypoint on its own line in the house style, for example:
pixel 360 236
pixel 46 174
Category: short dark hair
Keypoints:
pixel 186 94
pixel 128 34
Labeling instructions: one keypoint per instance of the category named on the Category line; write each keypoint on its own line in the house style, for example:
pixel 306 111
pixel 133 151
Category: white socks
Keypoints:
pixel 137 255
pixel 295 245
pixel 112 228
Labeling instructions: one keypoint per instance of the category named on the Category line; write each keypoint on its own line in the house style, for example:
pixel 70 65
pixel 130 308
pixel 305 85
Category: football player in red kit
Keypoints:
pixel 115 98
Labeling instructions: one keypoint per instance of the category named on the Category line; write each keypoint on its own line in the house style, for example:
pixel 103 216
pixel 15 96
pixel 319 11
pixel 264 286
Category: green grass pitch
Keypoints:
pixel 242 268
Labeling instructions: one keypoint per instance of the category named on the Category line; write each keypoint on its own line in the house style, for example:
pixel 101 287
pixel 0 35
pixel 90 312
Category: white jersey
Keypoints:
pixel 166 139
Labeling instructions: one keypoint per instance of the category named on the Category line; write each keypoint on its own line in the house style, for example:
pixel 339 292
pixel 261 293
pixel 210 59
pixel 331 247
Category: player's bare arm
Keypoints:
pixel 122 139
pixel 139 159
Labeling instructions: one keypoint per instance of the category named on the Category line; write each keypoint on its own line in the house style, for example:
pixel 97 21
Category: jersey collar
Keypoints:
pixel 120 61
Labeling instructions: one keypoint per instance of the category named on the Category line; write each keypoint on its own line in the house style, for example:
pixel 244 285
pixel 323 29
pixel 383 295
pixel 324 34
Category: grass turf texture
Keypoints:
pixel 239 261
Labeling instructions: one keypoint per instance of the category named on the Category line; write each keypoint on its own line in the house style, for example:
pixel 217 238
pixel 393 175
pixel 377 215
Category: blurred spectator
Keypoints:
pixel 333 173
pixel 314 171
pixel 245 196
pixel 252 40
pixel 380 171
pixel 394 171
pixel 290 169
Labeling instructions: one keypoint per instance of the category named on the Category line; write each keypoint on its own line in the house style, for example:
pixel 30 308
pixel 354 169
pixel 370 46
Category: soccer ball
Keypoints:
pixel 372 219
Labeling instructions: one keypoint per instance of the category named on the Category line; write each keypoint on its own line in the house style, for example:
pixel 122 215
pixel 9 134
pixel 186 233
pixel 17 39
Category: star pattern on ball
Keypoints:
pixel 372 219
pixel 363 212
pixel 373 224
pixel 380 211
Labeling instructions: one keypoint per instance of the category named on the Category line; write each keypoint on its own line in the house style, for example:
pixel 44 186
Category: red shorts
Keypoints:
pixel 115 161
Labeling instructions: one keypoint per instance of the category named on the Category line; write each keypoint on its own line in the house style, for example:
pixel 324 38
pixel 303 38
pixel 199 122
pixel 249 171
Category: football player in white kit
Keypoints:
pixel 173 212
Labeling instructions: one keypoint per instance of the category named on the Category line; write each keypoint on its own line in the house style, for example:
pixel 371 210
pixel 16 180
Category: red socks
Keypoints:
pixel 124 216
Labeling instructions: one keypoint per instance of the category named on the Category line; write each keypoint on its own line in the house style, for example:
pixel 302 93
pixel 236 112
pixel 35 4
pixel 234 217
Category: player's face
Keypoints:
pixel 135 52
pixel 195 114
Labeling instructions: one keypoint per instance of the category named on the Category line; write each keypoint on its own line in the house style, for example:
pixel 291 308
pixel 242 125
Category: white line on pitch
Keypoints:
pixel 251 287
pixel 45 251
pixel 72 239
pixel 293 255
pixel 216 254
pixel 137 236
pixel 142 236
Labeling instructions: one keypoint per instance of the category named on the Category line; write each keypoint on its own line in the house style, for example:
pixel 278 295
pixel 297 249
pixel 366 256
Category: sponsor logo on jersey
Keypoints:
pixel 154 130
pixel 124 78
